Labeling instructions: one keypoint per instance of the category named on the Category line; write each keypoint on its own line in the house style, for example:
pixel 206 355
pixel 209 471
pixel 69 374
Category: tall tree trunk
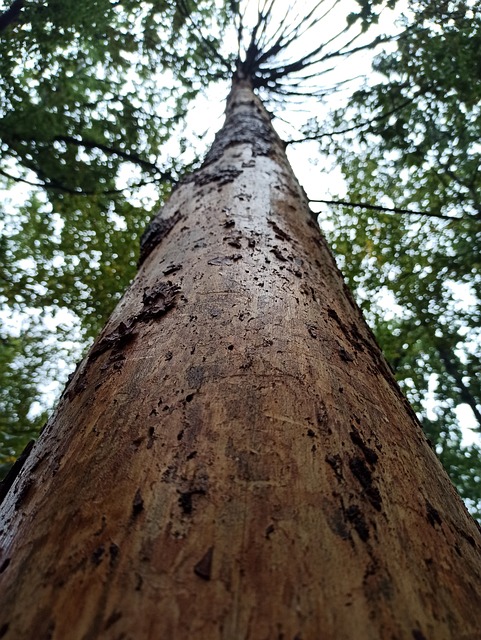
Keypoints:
pixel 233 459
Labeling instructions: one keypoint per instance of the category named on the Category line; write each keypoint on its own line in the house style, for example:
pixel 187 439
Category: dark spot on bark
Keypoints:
pixel 203 568
pixel 363 474
pixel 468 538
pixel 97 555
pixel 115 361
pixel 220 176
pixel 231 347
pixel 312 329
pixel 156 231
pixel 355 517
pixel 345 355
pixel 279 255
pixel 150 441
pixel 229 223
pixel 114 552
pixel 189 398
pixel 282 235
pixel 116 339
pixel 234 242
pixel 251 243
pixel 191 455
pixel 112 619
pixel 157 300
pixel 369 454
pixel 138 504
pixel 5 564
pixel 225 260
pixel 4 628
pixel 311 433
pixel 180 435
pixel 418 635
pixel 433 515
pixel 24 492
pixel 185 500
pixel 332 313
pixel 337 523
pixel 14 471
pixel 173 268
pixel 270 529
pixel 336 463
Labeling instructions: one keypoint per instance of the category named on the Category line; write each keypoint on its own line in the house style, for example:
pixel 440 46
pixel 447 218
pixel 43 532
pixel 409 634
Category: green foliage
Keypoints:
pixel 412 140
pixel 90 94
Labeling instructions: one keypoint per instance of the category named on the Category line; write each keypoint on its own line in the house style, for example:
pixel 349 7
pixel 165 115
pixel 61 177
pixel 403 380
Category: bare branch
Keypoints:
pixel 201 39
pixel 365 125
pixel 55 185
pixel 377 207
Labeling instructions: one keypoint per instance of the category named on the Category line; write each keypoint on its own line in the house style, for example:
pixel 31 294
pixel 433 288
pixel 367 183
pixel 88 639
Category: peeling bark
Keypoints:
pixel 234 459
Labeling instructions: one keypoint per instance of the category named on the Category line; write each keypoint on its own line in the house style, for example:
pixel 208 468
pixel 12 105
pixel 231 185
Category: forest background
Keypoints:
pixel 98 104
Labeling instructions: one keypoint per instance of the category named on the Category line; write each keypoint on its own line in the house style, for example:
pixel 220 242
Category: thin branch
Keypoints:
pixel 356 127
pixel 19 179
pixel 286 38
pixel 377 207
pixel 57 186
pixel 92 144
pixel 203 41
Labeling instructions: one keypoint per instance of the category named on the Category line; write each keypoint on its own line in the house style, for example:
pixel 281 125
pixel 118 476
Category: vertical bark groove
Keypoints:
pixel 233 459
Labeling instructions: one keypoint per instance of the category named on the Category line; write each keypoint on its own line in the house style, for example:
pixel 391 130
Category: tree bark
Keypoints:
pixel 11 14
pixel 233 458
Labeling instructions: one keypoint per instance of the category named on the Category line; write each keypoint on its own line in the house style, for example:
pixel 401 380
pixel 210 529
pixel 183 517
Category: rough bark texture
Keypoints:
pixel 233 459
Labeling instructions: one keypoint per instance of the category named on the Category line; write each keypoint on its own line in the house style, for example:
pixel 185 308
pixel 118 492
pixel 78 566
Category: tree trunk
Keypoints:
pixel 233 459
pixel 11 14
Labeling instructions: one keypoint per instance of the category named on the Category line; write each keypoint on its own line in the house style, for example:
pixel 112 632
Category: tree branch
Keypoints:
pixel 365 125
pixel 11 14
pixel 126 155
pixel 377 207
pixel 58 186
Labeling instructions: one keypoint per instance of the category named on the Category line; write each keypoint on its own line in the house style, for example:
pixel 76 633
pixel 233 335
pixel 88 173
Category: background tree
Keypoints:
pixel 83 121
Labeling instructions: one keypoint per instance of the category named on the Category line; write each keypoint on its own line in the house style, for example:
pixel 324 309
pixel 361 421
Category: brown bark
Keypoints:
pixel 233 459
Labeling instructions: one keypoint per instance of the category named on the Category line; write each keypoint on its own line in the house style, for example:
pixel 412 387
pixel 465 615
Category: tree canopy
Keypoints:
pixel 95 97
